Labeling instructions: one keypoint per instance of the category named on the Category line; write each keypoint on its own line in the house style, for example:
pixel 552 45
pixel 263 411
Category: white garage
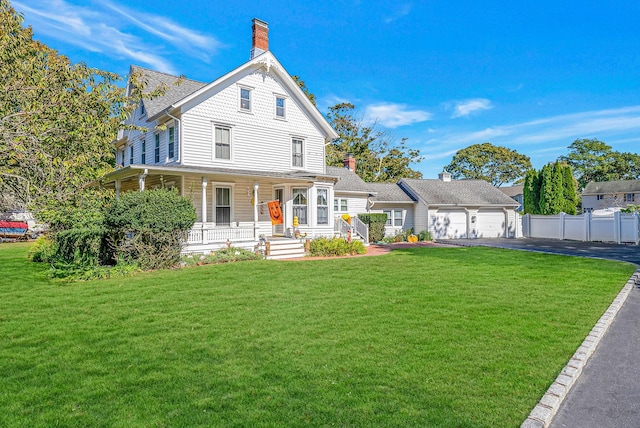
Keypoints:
pixel 491 223
pixel 454 209
pixel 448 224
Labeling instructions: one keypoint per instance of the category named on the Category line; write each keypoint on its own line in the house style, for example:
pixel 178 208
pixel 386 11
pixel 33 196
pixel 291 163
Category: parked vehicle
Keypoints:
pixel 33 230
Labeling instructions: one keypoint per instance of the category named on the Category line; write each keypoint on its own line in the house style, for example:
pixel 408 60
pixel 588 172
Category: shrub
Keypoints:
pixel 79 246
pixel 328 247
pixel 42 250
pixel 224 255
pixel 376 224
pixel 425 235
pixel 149 227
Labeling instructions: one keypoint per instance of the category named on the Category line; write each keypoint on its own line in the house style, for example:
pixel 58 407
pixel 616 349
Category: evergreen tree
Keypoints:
pixel 531 192
pixel 570 193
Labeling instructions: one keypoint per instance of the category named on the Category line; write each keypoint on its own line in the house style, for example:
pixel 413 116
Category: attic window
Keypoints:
pixel 245 99
pixel 142 110
pixel 280 107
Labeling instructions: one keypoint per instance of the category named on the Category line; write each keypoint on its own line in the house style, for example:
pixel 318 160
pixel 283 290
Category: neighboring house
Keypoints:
pixel 248 137
pixel 461 208
pixel 516 193
pixel 610 194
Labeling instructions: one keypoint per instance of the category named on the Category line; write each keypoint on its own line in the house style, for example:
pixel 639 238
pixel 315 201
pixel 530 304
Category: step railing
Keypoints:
pixel 360 228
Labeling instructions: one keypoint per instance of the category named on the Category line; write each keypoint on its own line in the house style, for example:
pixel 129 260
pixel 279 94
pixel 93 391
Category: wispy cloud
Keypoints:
pixel 399 12
pixel 545 136
pixel 467 107
pixel 391 115
pixel 141 37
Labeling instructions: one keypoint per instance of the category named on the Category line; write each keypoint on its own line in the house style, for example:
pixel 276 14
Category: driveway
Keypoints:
pixel 626 253
pixel 607 392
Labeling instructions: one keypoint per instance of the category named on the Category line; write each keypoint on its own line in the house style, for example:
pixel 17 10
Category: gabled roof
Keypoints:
pixel 456 192
pixel 389 192
pixel 512 190
pixel 191 92
pixel 611 187
pixel 348 181
pixel 174 92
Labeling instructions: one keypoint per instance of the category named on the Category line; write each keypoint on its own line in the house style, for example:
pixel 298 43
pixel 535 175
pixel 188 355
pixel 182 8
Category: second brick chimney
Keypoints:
pixel 350 162
pixel 259 38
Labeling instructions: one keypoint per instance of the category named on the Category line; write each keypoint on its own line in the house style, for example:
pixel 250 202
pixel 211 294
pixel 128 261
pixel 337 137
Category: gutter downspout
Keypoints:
pixel 179 160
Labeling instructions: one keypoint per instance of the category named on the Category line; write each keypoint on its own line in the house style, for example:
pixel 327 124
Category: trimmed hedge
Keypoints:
pixel 376 222
pixel 328 247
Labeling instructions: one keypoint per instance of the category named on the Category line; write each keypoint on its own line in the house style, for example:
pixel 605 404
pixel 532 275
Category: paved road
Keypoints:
pixel 607 393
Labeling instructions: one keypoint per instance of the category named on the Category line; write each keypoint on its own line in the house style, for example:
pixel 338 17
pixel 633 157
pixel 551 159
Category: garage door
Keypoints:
pixel 490 224
pixel 448 224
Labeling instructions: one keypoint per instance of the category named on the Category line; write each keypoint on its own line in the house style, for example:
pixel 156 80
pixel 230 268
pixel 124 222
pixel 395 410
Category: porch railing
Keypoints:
pixel 361 228
pixel 356 226
pixel 206 234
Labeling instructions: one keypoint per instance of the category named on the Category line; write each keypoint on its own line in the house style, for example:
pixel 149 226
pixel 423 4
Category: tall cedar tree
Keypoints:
pixel 531 192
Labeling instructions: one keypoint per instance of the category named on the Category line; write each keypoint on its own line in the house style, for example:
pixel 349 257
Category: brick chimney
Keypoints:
pixel 350 162
pixel 260 37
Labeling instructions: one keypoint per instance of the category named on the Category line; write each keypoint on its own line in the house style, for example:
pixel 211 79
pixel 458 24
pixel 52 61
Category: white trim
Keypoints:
pixel 284 98
pixel 214 126
pixel 240 99
pixel 303 154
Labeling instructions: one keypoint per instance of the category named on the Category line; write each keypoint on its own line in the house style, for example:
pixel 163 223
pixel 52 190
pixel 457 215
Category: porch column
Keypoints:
pixel 255 211
pixel 141 179
pixel 204 210
pixel 117 184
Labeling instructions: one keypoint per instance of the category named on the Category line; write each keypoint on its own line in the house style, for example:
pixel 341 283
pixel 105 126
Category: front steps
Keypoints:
pixel 284 248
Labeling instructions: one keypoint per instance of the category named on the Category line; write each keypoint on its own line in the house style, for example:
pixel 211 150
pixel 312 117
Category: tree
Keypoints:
pixel 304 88
pixel 495 164
pixel 551 190
pixel 57 119
pixel 379 158
pixel 531 192
pixel 593 160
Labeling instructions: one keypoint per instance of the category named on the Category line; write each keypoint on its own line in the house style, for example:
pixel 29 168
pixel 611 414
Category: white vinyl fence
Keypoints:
pixel 617 227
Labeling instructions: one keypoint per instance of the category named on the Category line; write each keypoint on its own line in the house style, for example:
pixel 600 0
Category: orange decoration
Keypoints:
pixel 275 212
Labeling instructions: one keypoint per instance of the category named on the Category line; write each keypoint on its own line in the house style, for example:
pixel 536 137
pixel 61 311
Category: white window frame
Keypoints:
pixel 301 155
pixel 298 206
pixel 217 126
pixel 337 205
pixel 599 197
pixel 171 140
pixel 215 204
pixel 142 109
pixel 392 217
pixel 325 206
pixel 629 197
pixel 156 148
pixel 143 151
pixel 131 153
pixel 242 101
pixel 283 116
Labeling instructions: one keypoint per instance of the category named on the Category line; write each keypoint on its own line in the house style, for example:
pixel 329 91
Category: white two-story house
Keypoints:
pixel 249 137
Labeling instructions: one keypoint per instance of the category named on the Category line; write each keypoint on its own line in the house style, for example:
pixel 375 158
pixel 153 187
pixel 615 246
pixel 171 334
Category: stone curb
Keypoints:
pixel 545 410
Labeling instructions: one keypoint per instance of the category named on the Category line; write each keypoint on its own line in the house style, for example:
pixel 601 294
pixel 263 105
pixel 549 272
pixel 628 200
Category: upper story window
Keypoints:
pixel 131 154
pixel 297 153
pixel 245 99
pixel 600 197
pixel 222 143
pixel 142 110
pixel 628 197
pixel 143 155
pixel 156 149
pixel 323 206
pixel 280 107
pixel 171 148
pixel 121 157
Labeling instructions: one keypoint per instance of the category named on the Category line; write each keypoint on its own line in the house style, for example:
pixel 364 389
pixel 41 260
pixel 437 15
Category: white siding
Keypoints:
pixel 448 224
pixel 259 141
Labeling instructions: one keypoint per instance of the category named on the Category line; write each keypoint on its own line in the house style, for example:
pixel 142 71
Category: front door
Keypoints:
pixel 278 195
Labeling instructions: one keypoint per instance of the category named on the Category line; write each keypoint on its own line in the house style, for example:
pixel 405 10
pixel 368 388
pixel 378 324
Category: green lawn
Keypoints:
pixel 427 337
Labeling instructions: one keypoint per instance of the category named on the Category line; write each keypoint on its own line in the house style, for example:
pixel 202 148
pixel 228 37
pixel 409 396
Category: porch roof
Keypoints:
pixel 133 170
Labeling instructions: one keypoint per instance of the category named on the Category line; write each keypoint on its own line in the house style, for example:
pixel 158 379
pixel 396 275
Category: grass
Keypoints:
pixel 426 337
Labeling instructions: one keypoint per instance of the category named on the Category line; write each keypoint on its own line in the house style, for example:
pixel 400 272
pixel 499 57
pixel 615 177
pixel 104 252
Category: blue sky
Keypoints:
pixel 531 76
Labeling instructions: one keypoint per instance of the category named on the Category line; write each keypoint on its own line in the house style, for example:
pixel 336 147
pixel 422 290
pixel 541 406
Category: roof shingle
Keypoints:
pixel 457 192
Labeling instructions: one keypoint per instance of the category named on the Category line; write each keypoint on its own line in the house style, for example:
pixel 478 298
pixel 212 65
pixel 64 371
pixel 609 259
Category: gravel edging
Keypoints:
pixel 545 410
